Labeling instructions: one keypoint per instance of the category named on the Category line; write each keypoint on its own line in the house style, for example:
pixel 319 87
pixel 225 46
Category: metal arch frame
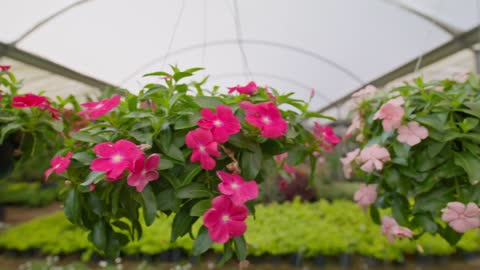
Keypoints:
pixel 460 42
pixel 314 55
pixel 269 75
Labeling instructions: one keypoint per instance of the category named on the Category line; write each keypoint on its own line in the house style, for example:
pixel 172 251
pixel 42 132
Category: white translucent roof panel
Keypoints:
pixel 333 46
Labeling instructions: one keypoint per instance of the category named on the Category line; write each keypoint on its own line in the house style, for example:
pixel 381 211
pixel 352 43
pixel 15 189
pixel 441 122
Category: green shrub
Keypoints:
pixel 309 228
pixel 27 194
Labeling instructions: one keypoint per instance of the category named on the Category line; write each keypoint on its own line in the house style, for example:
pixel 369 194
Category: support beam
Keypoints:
pixel 460 42
pixel 10 51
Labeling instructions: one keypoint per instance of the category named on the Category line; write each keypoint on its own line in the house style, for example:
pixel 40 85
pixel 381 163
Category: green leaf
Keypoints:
pixel 433 201
pixel 451 236
pixel 202 243
pixel 149 205
pixel 400 209
pixel 8 129
pixel 470 163
pixel 84 157
pixel 374 214
pixel 187 121
pixel 240 247
pixel 425 221
pixel 227 253
pixel 468 124
pixel 72 206
pixel 318 115
pixel 192 191
pixel 93 177
pixel 167 201
pixel 240 141
pixel 158 73
pixel 297 155
pixel 85 137
pixel 200 208
pixel 208 102
pixel 191 171
pixel 182 222
pixel 175 153
pixel 165 164
pixel 139 114
pixel 98 236
pixel 180 75
pixel 250 163
pixel 436 121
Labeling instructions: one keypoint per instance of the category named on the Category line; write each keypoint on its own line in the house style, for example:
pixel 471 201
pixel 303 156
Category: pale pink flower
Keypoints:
pixel 237 189
pixel 391 113
pixel 392 230
pixel 364 93
pixel 372 157
pixel 413 133
pixel 366 195
pixel 460 217
pixel 461 77
pixel 357 123
pixel 347 162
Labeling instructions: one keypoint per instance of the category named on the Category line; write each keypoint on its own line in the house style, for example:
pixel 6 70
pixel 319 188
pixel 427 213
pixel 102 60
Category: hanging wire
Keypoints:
pixel 175 28
pixel 204 47
pixel 238 30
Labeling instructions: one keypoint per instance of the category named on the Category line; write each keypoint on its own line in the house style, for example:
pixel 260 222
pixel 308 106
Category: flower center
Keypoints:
pixel 98 106
pixel 266 120
pixel 201 148
pixel 143 172
pixel 117 158
pixel 225 218
pixel 217 123
pixel 235 186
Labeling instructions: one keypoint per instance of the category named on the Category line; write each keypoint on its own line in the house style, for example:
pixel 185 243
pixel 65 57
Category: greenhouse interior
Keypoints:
pixel 228 134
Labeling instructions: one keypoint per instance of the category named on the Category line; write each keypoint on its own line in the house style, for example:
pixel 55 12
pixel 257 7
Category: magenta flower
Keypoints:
pixel 100 108
pixel 392 230
pixel 326 136
pixel 460 217
pixel 114 158
pixel 373 157
pixel 143 171
pixel 222 124
pixel 265 116
pixel 347 162
pixel 28 101
pixel 249 89
pixel 203 147
pixel 234 187
pixel 366 195
pixel 4 68
pixel 391 114
pixel 413 133
pixel 283 158
pixel 59 165
pixel 225 220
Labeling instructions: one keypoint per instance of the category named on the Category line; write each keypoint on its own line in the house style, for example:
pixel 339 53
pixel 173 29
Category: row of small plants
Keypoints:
pixel 321 228
pixel 31 194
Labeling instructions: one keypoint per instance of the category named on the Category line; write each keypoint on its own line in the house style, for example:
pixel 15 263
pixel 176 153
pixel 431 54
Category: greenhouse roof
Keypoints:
pixel 334 47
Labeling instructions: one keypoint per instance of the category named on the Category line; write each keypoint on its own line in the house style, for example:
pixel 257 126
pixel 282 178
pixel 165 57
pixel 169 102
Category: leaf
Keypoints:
pixel 468 124
pixel 433 201
pixel 470 163
pixel 93 177
pixel 400 209
pixel 374 214
pixel 227 253
pixel 208 102
pixel 240 247
pixel 175 153
pixel 250 163
pixel 165 164
pixel 84 157
pixel 200 208
pixel 436 121
pixel 451 236
pixel 167 201
pixel 187 121
pixel 192 191
pixel 182 222
pixel 98 236
pixel 180 75
pixel 158 73
pixel 240 141
pixel 297 155
pixel 149 205
pixel 425 221
pixel 202 243
pixel 72 206
pixel 191 171
pixel 85 137
pixel 8 129
pixel 318 115
pixel 139 115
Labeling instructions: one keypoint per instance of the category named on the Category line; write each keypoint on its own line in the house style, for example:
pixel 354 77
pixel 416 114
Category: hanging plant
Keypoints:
pixel 176 148
pixel 419 153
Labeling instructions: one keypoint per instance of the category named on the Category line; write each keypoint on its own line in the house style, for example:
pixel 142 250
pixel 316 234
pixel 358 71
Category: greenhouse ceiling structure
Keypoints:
pixel 332 46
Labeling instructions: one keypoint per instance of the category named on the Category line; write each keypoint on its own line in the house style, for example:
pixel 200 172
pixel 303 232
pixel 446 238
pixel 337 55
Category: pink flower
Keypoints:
pixel 326 136
pixel 413 133
pixel 357 123
pixel 460 217
pixel 4 68
pixel 29 100
pixel 114 158
pixel 100 108
pixel 225 220
pixel 347 162
pixel 249 89
pixel 234 187
pixel 392 230
pixel 391 113
pixel 59 165
pixel 366 195
pixel 283 158
pixel 362 94
pixel 373 157
pixel 92 187
pixel 203 146
pixel 265 116
pixel 143 171
pixel 222 124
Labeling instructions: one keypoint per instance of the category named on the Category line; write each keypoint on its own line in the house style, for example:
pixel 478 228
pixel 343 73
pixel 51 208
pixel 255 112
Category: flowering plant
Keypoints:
pixel 419 153
pixel 31 126
pixel 176 148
